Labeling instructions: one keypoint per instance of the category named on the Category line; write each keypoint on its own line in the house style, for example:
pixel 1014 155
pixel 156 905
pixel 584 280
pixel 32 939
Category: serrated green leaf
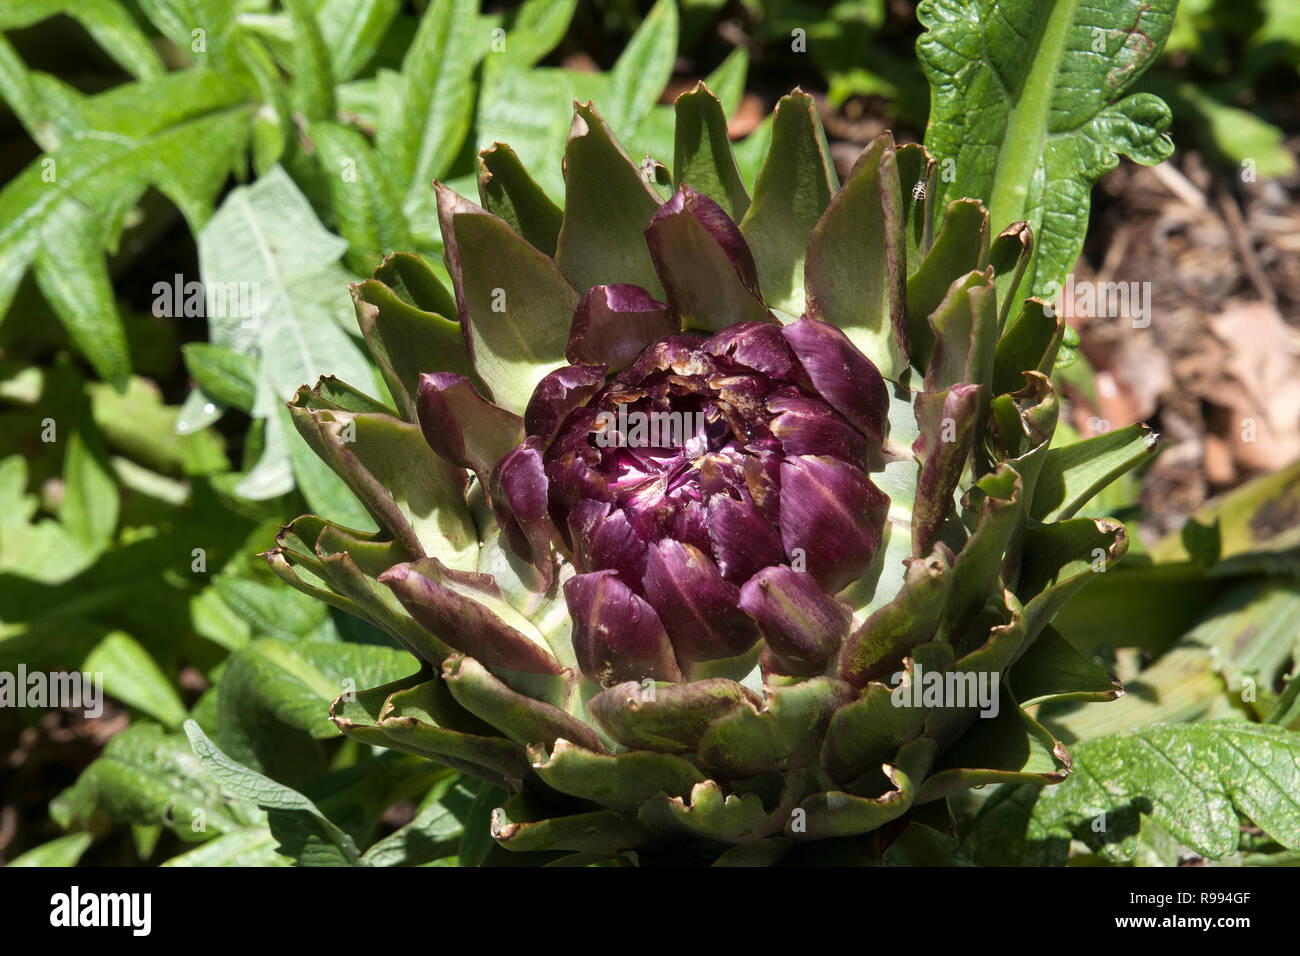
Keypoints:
pixel 270 609
pixel 312 80
pixel 1194 780
pixel 178 19
pixel 71 275
pixel 18 88
pixel 271 685
pixel 435 98
pixel 1028 108
pixel 272 124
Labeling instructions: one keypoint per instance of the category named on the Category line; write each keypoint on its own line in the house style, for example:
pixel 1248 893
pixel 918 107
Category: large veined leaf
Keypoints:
pixel 265 249
pixel 325 820
pixel 1197 781
pixel 271 610
pixel 147 776
pixel 1028 108
pixel 312 81
pixel 294 684
pixel 366 203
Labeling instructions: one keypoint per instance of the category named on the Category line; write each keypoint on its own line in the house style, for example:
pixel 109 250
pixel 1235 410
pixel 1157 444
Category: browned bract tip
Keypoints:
pixel 339 721
pixel 1060 752
pixel 1020 231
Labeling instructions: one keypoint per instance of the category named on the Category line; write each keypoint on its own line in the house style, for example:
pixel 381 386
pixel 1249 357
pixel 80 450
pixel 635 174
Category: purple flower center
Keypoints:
pixel 685 425
pixel 697 483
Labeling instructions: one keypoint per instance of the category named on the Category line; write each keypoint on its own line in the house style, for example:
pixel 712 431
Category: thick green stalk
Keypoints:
pixel 1022 146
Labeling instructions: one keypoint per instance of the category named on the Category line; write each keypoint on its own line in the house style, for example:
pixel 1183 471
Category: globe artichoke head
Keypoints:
pixel 714 521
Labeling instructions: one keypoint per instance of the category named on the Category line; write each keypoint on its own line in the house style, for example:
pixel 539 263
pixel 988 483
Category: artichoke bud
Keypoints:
pixel 684 490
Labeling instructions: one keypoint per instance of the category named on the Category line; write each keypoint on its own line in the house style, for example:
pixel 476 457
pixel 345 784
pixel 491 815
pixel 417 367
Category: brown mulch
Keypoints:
pixel 1217 372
